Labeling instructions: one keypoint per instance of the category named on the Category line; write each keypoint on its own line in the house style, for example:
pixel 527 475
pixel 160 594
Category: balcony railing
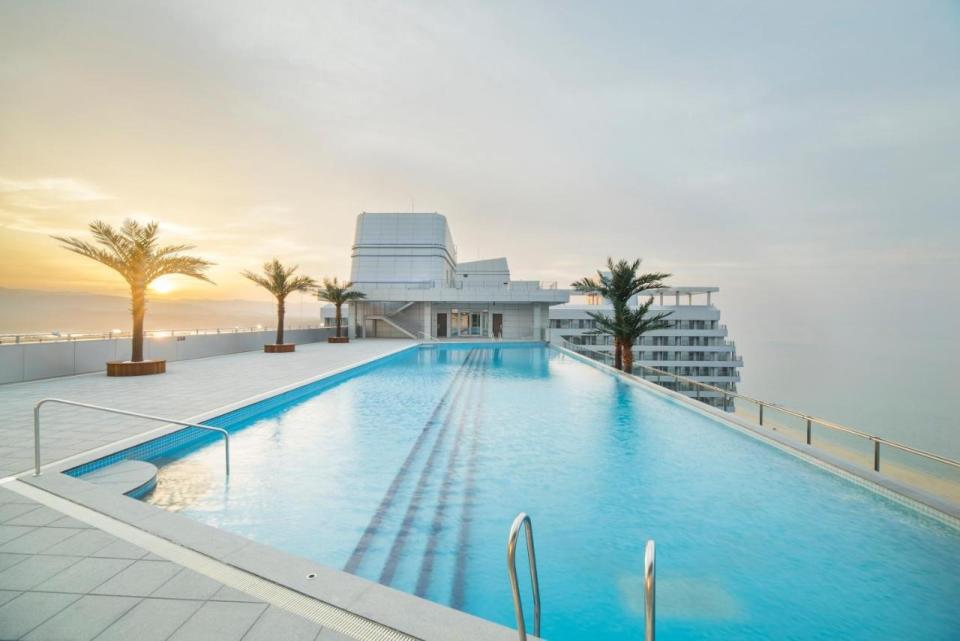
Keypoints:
pixel 55 337
pixel 929 472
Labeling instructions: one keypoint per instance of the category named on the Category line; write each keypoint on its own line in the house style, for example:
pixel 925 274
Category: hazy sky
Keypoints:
pixel 804 156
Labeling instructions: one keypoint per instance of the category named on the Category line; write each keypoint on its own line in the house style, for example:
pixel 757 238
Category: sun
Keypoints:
pixel 163 285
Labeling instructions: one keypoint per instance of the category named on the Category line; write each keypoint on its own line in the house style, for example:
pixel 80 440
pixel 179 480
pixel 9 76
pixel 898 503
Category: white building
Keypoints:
pixel 695 346
pixel 407 266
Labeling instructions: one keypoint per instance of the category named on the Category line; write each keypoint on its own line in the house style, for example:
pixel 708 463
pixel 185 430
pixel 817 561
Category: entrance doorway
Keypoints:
pixel 441 325
pixel 466 323
pixel 497 325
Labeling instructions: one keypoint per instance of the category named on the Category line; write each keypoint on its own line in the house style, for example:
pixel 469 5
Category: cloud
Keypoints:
pixel 50 205
pixel 46 193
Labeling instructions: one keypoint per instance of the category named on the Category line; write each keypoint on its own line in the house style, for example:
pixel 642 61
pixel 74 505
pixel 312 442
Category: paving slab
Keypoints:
pixel 83 543
pixel 188 584
pixel 7 595
pixel 220 621
pixel 10 532
pixel 39 540
pixel 34 570
pixel 279 625
pixel 151 620
pixel 84 576
pixel 83 619
pixel 141 578
pixel 24 613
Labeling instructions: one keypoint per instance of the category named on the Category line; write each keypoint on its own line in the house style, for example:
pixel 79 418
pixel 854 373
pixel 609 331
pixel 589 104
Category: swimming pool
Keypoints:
pixel 409 472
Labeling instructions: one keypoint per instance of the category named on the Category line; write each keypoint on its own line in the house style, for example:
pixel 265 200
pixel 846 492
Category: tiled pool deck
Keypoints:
pixel 62 577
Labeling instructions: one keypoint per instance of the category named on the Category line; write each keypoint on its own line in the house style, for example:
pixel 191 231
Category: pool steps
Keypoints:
pixel 433 486
pixel 133 478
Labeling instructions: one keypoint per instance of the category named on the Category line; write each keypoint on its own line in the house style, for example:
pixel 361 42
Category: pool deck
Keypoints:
pixel 189 388
pixel 65 573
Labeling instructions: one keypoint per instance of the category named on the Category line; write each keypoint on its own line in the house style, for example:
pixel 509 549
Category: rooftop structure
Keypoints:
pixel 406 264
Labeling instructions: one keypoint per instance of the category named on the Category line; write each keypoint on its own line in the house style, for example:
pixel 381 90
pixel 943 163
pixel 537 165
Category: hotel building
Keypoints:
pixel 695 345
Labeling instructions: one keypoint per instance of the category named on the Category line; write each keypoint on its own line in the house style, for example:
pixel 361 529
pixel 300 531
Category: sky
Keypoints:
pixel 804 157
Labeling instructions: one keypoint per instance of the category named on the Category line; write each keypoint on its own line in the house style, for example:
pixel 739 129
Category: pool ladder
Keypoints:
pixel 523 519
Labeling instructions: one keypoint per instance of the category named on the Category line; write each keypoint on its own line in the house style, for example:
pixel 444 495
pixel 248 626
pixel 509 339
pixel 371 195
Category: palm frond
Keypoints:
pixel 82 247
pixel 279 280
pixel 186 265
pixel 332 291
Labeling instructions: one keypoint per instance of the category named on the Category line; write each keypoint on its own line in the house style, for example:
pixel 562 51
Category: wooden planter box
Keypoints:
pixel 338 339
pixel 140 368
pixel 279 349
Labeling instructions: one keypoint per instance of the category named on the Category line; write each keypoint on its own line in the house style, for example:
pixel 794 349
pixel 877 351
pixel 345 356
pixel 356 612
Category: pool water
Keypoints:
pixel 411 472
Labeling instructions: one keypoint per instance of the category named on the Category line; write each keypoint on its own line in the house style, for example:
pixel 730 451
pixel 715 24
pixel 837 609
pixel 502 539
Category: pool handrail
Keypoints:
pixel 111 410
pixel 521 520
pixel 649 590
pixel 876 440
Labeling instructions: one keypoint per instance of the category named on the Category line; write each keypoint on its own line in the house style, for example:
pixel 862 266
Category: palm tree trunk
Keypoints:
pixel 338 319
pixel 138 309
pixel 627 357
pixel 617 353
pixel 281 312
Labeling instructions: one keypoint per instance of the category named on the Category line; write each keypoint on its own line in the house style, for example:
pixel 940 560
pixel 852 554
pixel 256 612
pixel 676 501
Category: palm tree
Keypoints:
pixel 280 281
pixel 338 294
pixel 132 250
pixel 619 285
pixel 627 328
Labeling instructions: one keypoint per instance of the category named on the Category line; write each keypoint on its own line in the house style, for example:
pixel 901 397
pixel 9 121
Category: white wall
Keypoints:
pixel 32 361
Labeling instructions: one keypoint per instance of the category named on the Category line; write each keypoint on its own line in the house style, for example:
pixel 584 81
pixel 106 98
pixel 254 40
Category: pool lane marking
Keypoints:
pixel 413 507
pixel 376 521
pixel 446 489
pixel 458 587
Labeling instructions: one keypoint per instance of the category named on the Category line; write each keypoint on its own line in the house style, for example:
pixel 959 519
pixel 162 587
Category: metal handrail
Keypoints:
pixel 649 590
pixel 36 426
pixel 876 440
pixel 519 522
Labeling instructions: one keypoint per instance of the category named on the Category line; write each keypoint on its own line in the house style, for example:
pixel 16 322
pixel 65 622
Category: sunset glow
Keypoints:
pixel 164 285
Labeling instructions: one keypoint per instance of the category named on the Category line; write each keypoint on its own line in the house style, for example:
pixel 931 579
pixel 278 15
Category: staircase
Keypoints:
pixel 430 498
pixel 391 323
pixel 399 322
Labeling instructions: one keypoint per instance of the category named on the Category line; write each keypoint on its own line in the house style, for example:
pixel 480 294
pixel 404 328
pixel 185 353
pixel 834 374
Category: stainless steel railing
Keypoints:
pixel 519 522
pixel 110 410
pixel 810 420
pixel 649 590
pixel 59 337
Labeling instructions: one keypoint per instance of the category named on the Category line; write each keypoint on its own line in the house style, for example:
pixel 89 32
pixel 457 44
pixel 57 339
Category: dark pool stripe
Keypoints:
pixel 458 587
pixel 400 541
pixel 376 521
pixel 439 514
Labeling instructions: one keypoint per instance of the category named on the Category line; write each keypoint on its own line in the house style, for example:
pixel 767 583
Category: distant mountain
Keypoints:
pixel 26 311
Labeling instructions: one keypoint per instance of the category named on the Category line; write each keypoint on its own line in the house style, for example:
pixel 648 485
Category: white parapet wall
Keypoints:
pixel 32 361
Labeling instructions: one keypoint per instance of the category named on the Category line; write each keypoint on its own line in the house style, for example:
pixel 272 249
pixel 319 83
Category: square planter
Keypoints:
pixel 338 339
pixel 279 349
pixel 139 368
